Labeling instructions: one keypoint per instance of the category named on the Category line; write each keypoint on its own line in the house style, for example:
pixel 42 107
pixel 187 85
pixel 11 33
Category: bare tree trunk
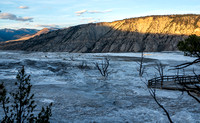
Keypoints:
pixel 141 66
pixel 153 94
pixel 160 69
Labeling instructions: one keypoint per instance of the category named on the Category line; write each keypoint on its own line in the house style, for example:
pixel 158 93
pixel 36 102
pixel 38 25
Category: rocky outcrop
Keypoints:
pixel 152 33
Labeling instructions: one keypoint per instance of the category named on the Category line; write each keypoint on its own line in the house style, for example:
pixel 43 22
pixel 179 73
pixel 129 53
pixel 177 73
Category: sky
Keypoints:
pixel 40 14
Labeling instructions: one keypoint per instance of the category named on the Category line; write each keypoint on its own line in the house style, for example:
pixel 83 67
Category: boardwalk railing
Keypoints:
pixel 176 79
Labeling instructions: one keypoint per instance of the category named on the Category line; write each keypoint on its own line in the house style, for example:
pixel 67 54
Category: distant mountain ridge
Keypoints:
pixel 12 34
pixel 26 37
pixel 150 33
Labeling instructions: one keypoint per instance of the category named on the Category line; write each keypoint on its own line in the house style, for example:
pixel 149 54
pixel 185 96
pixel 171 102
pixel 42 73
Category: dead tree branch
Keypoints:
pixel 103 68
pixel 184 65
pixel 153 94
pixel 191 91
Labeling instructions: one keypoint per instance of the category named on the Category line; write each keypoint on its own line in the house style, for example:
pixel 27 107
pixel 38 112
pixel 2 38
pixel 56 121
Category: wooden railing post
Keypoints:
pixel 177 79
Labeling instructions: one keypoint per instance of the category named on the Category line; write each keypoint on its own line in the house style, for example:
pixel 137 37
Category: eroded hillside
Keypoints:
pixel 151 33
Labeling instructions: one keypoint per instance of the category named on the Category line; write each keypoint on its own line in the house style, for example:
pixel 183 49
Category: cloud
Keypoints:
pixel 14 17
pixel 80 12
pixel 23 7
pixel 89 18
pixel 96 11
pixel 92 21
pixel 48 26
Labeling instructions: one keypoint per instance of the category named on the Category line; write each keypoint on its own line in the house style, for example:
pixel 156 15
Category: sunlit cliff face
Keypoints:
pixel 149 34
pixel 175 25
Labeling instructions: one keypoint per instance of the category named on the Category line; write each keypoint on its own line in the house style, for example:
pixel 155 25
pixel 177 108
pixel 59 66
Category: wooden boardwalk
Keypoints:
pixel 173 82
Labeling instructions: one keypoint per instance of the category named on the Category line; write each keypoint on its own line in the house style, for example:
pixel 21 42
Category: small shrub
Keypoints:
pixel 103 67
pixel 83 65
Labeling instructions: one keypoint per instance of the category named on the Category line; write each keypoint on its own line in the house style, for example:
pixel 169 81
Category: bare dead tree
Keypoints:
pixel 153 94
pixel 187 64
pixel 191 46
pixel 83 65
pixel 103 67
pixel 160 69
pixel 193 90
pixel 141 68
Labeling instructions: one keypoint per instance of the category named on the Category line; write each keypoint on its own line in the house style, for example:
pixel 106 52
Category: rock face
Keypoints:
pixel 151 33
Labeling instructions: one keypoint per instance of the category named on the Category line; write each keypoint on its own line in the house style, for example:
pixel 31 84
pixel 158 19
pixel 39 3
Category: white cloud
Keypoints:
pixel 48 26
pixel 23 7
pixel 10 16
pixel 80 12
pixel 96 11
pixel 89 18
pixel 92 21
pixel 91 11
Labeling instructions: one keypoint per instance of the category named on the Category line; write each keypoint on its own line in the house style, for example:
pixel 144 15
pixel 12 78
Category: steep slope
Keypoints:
pixel 16 44
pixel 151 33
pixel 12 34
pixel 26 37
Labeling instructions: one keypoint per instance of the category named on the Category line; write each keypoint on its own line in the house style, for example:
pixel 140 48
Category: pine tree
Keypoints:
pixel 190 46
pixel 21 109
